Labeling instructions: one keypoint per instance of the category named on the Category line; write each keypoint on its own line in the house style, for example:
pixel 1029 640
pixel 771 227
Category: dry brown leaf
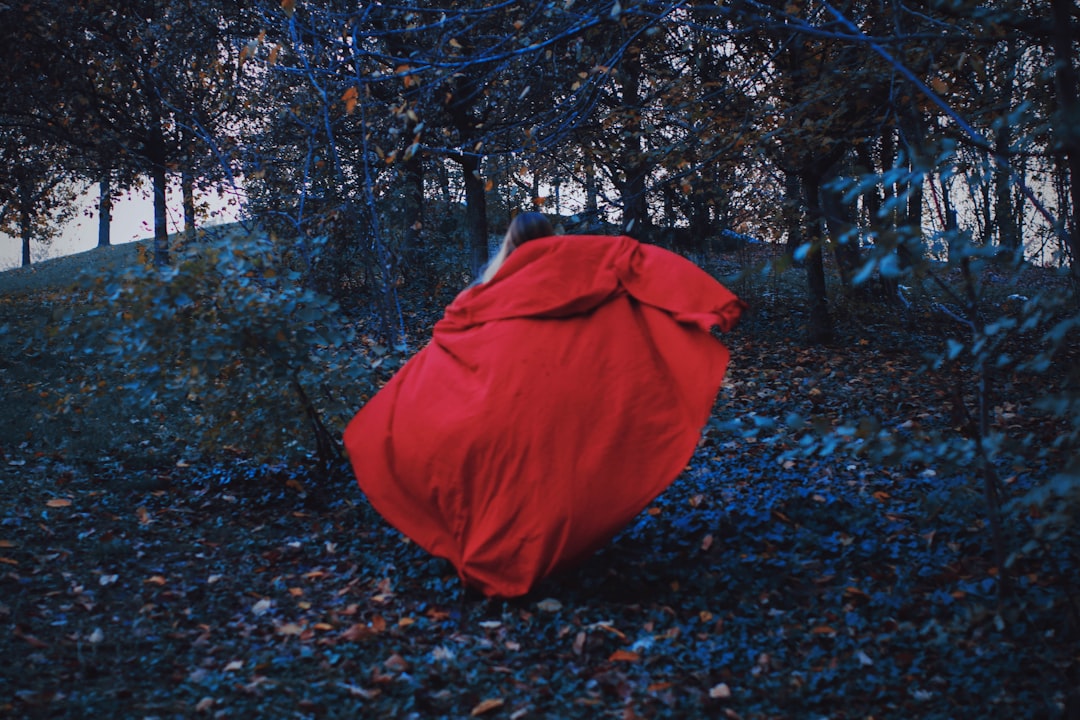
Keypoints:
pixel 487 705
pixel 550 605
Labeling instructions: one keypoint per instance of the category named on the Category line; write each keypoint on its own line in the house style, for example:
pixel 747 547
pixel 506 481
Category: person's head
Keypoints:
pixel 524 227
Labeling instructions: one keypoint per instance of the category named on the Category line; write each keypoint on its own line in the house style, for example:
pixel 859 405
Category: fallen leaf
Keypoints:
pixel 234 665
pixel 289 629
pixel 155 580
pixel 550 605
pixel 487 705
pixel 357 632
pixel 96 636
pixel 58 503
pixel 262 607
pixel 144 516
pixel 720 691
pixel 396 663
pixel 30 640
pixel 357 691
pixel 204 705
pixel 624 656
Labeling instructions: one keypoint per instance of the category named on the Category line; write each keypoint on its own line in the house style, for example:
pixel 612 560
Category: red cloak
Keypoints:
pixel 551 406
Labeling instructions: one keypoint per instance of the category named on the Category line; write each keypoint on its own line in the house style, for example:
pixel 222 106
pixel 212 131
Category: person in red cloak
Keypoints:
pixel 557 398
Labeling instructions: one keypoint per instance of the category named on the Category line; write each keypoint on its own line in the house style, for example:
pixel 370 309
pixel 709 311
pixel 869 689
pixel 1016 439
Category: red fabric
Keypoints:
pixel 552 405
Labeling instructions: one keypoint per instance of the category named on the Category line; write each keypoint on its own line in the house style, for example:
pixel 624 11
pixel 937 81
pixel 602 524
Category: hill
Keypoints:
pixel 60 271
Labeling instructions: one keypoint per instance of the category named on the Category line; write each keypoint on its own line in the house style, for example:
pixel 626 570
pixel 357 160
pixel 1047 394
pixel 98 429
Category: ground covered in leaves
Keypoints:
pixel 759 585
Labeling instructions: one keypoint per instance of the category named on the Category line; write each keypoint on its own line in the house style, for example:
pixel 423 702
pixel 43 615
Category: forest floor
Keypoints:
pixel 759 585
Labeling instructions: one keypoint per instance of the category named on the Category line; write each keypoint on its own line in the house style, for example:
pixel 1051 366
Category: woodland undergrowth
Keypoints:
pixel 137 580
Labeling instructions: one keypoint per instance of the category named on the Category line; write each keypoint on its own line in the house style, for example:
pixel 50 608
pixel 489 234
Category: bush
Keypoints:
pixel 227 349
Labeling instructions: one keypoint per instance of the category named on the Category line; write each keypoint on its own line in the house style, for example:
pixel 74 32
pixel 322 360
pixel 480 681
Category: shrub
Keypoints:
pixel 227 348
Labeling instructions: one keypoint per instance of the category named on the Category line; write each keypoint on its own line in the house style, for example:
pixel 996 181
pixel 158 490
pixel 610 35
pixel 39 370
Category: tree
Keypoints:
pixel 130 85
pixel 38 195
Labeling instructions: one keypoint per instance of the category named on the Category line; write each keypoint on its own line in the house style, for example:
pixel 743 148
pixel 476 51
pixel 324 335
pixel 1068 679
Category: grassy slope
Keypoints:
pixel 56 273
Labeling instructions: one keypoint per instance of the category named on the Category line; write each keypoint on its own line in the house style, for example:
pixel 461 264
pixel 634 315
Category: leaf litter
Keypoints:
pixel 760 585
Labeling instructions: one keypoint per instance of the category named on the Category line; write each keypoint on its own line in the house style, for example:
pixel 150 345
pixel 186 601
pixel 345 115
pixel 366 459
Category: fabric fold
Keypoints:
pixel 551 406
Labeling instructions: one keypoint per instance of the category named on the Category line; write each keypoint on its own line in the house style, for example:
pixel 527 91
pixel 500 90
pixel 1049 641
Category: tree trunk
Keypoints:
pixel 461 106
pixel 871 199
pixel 888 190
pixel 159 180
pixel 105 211
pixel 25 215
pixel 911 238
pixel 591 191
pixel 187 186
pixel 952 224
pixel 161 217
pixel 475 213
pixel 1004 207
pixel 1004 211
pixel 790 212
pixel 413 201
pixel 24 225
pixel 844 242
pixel 1067 135
pixel 635 168
pixel 819 329
pixel 444 184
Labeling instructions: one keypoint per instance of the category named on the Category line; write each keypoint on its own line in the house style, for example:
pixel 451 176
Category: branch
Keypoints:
pixel 970 131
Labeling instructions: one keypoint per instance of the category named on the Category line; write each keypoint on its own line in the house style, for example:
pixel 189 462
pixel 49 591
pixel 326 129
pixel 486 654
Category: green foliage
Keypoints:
pixel 1003 353
pixel 230 345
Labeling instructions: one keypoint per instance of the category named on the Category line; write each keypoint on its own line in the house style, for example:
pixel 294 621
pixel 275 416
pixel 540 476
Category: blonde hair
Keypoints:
pixel 524 227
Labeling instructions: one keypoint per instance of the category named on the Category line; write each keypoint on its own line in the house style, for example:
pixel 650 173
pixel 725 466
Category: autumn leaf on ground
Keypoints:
pixel 487 706
pixel 550 605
